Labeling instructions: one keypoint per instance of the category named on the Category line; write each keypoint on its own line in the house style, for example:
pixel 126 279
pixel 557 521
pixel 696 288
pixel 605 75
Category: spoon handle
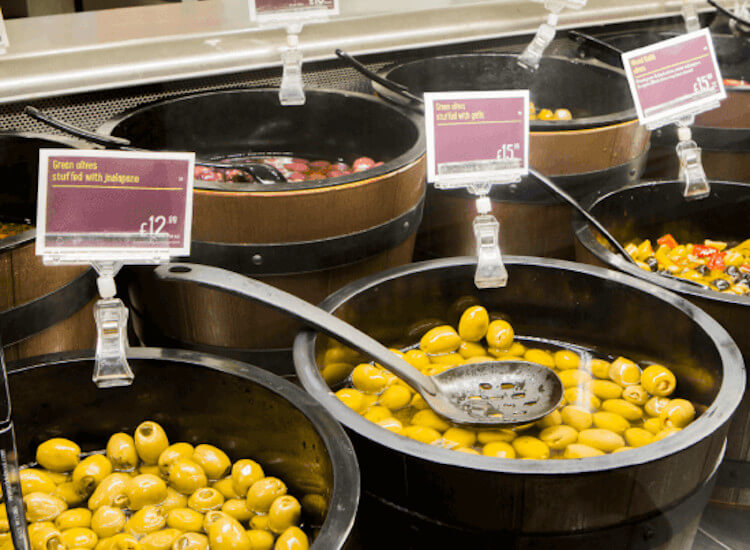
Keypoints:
pixel 305 312
pixel 583 212
pixel 99 139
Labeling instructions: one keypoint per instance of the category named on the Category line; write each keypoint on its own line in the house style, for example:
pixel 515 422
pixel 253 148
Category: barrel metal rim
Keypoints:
pixel 411 155
pixel 18 240
pixel 584 235
pixel 718 413
pixel 345 495
pixel 535 126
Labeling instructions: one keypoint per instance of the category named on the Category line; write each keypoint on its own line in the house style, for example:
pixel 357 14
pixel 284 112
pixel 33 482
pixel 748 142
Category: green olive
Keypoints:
pixel 191 541
pixel 293 538
pixel 173 453
pixel 237 508
pixel 259 523
pixel 36 481
pixel 58 455
pixel 124 541
pixel 211 517
pixel 44 536
pixel 226 488
pixel 185 519
pixel 262 493
pixel 75 493
pixel 213 460
pixel 43 507
pixel 174 500
pixel 260 540
pixel 284 513
pixel 227 534
pixel 121 452
pixel 245 472
pixel 187 476
pixel 79 537
pixel 146 520
pixel 150 441
pixel 107 521
pixel 145 489
pixel 77 517
pixel 205 500
pixel 160 540
pixel 95 466
pixel 110 492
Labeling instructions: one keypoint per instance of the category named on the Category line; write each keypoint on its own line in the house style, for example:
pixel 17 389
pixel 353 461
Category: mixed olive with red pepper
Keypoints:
pixel 716 264
pixel 10 229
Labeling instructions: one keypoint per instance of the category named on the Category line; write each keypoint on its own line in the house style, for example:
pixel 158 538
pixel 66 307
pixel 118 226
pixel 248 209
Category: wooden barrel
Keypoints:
pixel 42 309
pixel 308 238
pixel 648 497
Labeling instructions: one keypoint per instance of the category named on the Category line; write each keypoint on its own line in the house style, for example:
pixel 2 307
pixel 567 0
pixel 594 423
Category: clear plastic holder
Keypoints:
pixel 690 15
pixel 111 368
pixel 532 55
pixel 491 272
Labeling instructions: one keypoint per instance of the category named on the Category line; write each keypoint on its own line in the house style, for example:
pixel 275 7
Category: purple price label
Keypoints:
pixel 114 200
pixel 476 133
pixel 284 7
pixel 674 77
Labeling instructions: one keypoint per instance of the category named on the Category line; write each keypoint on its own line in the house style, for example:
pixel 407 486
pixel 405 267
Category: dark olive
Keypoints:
pixel 733 272
pixel 703 270
pixel 652 263
pixel 720 284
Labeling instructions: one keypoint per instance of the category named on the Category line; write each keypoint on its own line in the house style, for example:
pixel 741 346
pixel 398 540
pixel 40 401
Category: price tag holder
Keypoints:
pixel 4 41
pixel 292 15
pixel 545 34
pixel 476 140
pixel 672 82
pixel 109 208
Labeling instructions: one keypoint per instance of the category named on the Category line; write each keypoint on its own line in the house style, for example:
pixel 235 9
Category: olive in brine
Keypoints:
pixel 160 540
pixel 75 493
pixel 213 460
pixel 79 537
pixel 146 520
pixel 245 472
pixel 187 476
pixel 145 489
pixel 58 455
pixel 150 441
pixel 77 517
pixel 35 481
pixel 284 513
pixel 107 521
pixel 121 452
pixel 262 494
pixel 293 538
pixel 191 541
pixel 43 507
pixel 173 453
pixel 44 536
pixel 227 534
pixel 185 519
pixel 260 539
pixel 110 492
pixel 97 467
pixel 205 500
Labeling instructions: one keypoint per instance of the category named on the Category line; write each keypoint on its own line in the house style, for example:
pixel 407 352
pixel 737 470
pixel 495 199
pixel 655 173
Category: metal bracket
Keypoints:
pixel 532 55
pixel 690 15
pixel 691 168
pixel 111 368
pixel 292 90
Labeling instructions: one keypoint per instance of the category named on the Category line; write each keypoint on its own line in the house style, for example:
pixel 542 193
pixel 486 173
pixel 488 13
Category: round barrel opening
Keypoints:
pixel 198 399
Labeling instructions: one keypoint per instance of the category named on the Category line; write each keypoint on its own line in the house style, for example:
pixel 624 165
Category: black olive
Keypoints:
pixel 703 270
pixel 746 278
pixel 652 263
pixel 720 284
pixel 732 271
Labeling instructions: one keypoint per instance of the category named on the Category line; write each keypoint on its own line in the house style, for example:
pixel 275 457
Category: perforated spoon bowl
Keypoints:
pixel 491 393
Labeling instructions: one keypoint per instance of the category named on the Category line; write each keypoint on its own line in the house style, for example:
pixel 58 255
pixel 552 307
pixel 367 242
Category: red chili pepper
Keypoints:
pixel 717 262
pixel 703 251
pixel 745 268
pixel 667 240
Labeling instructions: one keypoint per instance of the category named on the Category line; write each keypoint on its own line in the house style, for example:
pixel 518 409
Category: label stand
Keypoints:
pixel 111 368
pixel 292 90
pixel 532 55
pixel 690 15
pixel 691 168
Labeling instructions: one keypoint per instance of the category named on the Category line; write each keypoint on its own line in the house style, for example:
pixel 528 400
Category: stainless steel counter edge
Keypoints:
pixel 83 52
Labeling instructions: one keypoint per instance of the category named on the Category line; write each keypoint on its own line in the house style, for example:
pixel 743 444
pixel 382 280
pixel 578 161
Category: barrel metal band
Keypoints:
pixel 308 256
pixel 25 320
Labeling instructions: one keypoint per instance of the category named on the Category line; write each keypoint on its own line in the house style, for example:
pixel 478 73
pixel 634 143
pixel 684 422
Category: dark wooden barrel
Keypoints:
pixel 308 238
pixel 198 398
pixel 602 148
pixel 619 501
pixel 42 309
pixel 650 209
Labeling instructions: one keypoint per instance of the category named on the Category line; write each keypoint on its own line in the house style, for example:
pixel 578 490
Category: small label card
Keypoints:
pixel 475 136
pixel 674 79
pixel 291 10
pixel 114 205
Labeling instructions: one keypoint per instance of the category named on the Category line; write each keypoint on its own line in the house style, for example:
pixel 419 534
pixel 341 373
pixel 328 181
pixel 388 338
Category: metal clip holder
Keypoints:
pixel 111 368
pixel 532 55
pixel 690 15
pixel 696 184
pixel 292 90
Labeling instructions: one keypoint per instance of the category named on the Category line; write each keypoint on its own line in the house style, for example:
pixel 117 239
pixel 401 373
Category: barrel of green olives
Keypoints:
pixel 198 399
pixel 306 237
pixel 647 496
pixel 656 208
pixel 42 309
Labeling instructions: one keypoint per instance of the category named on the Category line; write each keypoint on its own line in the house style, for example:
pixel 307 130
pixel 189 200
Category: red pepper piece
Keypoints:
pixel 703 251
pixel 717 262
pixel 667 240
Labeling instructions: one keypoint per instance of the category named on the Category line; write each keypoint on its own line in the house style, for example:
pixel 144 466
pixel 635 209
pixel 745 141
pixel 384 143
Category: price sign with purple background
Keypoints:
pixel 674 78
pixel 477 135
pixel 114 205
pixel 292 9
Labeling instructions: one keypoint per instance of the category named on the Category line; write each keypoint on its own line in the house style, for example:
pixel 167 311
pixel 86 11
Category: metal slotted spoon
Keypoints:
pixel 491 393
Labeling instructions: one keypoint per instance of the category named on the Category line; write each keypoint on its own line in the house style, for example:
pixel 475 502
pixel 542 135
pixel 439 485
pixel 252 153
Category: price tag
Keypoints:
pixel 130 207
pixel 265 11
pixel 674 79
pixel 477 136
pixel 4 41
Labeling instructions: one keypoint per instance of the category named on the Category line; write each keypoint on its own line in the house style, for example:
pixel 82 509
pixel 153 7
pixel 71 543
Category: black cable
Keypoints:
pixel 729 14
